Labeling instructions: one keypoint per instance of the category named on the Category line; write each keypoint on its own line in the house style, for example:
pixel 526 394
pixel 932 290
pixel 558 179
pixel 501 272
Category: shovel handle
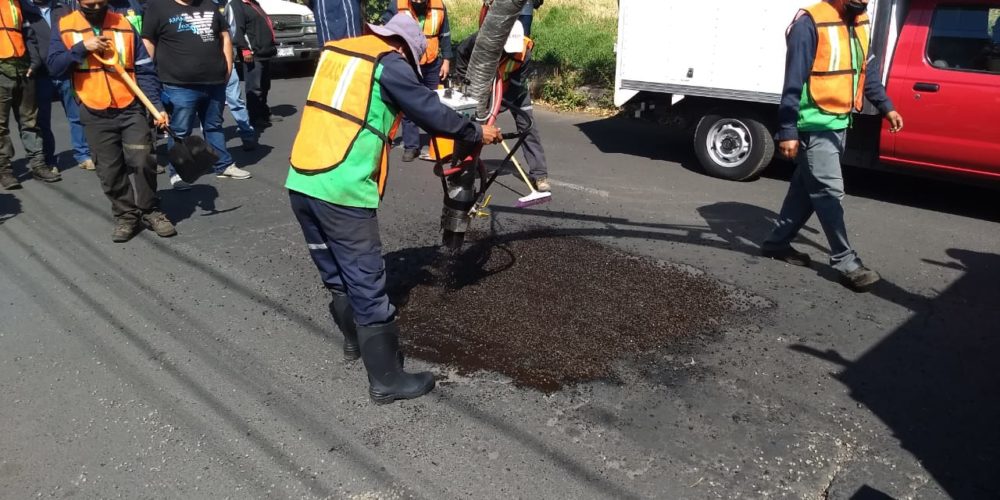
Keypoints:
pixel 112 61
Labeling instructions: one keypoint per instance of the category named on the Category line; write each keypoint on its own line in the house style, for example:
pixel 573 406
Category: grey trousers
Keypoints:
pixel 534 154
pixel 18 95
pixel 817 186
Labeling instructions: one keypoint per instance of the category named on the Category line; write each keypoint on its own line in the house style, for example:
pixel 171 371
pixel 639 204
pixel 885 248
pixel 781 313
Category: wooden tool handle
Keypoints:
pixel 120 71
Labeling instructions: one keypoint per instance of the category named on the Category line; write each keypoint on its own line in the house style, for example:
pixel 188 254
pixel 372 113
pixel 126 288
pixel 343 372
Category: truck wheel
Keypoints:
pixel 737 148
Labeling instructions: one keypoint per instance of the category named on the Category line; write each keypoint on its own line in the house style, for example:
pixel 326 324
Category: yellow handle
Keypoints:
pixel 120 71
pixel 518 165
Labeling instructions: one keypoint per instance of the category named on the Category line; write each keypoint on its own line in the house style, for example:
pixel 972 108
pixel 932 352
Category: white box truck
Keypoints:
pixel 715 69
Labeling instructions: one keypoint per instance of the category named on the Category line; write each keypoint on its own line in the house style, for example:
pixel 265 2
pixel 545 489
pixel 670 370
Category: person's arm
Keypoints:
pixel 422 105
pixel 145 74
pixel 227 51
pixel 445 44
pixel 237 19
pixel 32 15
pixel 801 52
pixel 391 9
pixel 61 59
pixel 150 29
pixel 874 90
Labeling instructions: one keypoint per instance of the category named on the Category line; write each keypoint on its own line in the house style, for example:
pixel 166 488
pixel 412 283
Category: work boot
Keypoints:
pixel 860 280
pixel 8 181
pixel 45 174
pixel 410 154
pixel 158 222
pixel 87 164
pixel 343 316
pixel 542 184
pixel 387 380
pixel 124 229
pixel 788 255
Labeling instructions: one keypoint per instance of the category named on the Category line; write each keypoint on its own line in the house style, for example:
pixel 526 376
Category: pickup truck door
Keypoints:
pixel 948 88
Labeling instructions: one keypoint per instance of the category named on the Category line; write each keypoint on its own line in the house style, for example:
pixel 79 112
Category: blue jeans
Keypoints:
pixel 203 103
pixel 344 244
pixel 432 77
pixel 817 187
pixel 45 89
pixel 238 108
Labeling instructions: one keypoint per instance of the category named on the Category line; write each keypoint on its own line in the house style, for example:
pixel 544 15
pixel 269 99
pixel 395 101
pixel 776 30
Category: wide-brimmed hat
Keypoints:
pixel 405 27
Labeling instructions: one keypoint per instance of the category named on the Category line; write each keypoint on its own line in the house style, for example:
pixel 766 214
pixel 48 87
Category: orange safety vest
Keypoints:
pixel 96 86
pixel 831 81
pixel 338 106
pixel 510 63
pixel 11 22
pixel 432 25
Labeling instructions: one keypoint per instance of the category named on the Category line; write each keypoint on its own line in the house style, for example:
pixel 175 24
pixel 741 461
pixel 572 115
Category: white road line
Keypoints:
pixel 576 187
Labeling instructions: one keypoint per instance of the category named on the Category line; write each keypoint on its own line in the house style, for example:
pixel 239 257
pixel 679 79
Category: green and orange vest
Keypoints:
pixel 94 84
pixel 11 23
pixel 432 22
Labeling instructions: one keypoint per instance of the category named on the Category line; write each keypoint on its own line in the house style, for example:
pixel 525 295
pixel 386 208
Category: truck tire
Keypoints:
pixel 735 147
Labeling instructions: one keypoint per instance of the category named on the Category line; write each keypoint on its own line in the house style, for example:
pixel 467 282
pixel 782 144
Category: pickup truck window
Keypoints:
pixel 965 38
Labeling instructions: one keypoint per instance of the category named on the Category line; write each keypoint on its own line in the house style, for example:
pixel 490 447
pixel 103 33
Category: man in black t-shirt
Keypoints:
pixel 189 40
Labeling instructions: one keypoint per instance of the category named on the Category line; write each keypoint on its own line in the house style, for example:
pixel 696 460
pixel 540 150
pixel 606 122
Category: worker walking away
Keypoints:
pixel 513 72
pixel 18 52
pixel 828 75
pixel 337 177
pixel 435 63
pixel 114 120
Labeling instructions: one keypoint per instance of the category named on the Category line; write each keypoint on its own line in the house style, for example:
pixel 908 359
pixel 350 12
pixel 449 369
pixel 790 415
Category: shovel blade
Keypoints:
pixel 192 157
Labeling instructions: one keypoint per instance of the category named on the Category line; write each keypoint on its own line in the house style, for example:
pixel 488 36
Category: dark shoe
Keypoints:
pixel 8 181
pixel 343 316
pixel 861 279
pixel 249 144
pixel 410 154
pixel 45 174
pixel 275 119
pixel 387 380
pixel 124 230
pixel 158 222
pixel 788 255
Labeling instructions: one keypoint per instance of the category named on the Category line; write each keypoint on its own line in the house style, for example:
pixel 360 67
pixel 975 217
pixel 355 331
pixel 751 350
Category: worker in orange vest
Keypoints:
pixel 18 52
pixel 435 63
pixel 114 120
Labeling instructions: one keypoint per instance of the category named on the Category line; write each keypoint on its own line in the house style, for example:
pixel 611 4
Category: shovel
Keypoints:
pixel 191 156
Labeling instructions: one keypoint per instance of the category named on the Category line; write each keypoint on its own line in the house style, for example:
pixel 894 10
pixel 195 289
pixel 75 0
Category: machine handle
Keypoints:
pixel 926 87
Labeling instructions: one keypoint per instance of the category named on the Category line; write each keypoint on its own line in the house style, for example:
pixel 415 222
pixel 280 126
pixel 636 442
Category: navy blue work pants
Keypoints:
pixel 345 245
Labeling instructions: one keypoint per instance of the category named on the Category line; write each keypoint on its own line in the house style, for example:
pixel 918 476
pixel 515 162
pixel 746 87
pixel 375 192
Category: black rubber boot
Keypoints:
pixel 343 316
pixel 387 380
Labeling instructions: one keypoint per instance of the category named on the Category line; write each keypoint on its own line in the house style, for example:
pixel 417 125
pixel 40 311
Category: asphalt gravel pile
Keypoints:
pixel 548 311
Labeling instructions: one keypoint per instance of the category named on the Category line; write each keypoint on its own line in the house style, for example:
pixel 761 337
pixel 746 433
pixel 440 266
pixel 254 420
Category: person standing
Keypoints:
pixel 189 40
pixel 337 177
pixel 114 121
pixel 337 19
pixel 528 14
pixel 39 16
pixel 828 75
pixel 234 96
pixel 513 72
pixel 255 46
pixel 18 54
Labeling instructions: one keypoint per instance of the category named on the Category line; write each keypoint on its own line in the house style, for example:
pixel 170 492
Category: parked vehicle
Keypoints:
pixel 294 30
pixel 716 68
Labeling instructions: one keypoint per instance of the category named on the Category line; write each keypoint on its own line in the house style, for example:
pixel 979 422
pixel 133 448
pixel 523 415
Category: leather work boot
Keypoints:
pixel 542 184
pixel 343 316
pixel 788 255
pixel 8 181
pixel 387 380
pixel 45 174
pixel 158 222
pixel 860 280
pixel 124 230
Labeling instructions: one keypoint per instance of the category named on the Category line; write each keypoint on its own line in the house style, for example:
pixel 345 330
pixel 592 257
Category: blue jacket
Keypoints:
pixel 62 60
pixel 802 41
pixel 336 19
pixel 402 90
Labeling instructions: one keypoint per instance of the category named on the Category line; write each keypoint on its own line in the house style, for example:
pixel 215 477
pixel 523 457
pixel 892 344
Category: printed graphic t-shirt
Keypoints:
pixel 188 41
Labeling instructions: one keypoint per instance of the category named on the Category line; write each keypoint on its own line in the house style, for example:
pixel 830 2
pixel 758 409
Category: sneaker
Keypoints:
pixel 87 164
pixel 124 230
pixel 159 223
pixel 788 255
pixel 177 183
pixel 45 174
pixel 542 184
pixel 410 154
pixel 425 155
pixel 249 144
pixel 234 172
pixel 8 181
pixel 860 280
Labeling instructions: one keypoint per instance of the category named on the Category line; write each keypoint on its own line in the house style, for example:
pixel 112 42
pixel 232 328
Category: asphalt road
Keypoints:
pixel 206 365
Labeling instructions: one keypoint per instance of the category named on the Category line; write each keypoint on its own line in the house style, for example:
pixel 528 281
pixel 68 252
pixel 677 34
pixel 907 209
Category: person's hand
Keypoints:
pixel 163 122
pixel 247 56
pixel 491 134
pixel 789 149
pixel 895 121
pixel 445 69
pixel 97 44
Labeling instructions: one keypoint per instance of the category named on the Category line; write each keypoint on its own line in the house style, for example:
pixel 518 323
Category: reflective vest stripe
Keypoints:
pixel 344 84
pixel 120 42
pixel 77 38
pixel 838 75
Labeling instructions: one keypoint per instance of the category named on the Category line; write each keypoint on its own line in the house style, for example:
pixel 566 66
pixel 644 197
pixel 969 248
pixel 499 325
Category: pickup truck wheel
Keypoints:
pixel 737 148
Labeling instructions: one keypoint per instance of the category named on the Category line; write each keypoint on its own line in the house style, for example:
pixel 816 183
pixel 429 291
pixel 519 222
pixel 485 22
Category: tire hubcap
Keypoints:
pixel 729 143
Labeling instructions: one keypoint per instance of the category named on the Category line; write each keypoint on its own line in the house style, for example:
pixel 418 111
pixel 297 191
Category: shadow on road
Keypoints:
pixel 934 381
pixel 180 205
pixel 9 206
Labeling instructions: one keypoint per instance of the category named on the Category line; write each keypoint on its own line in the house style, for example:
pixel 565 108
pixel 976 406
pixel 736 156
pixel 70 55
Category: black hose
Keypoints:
pixel 486 53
